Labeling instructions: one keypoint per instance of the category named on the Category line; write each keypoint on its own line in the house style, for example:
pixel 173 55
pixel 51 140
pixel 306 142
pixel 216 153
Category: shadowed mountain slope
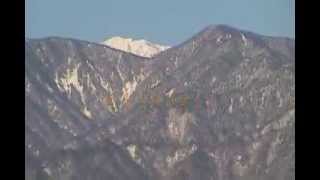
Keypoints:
pixel 218 106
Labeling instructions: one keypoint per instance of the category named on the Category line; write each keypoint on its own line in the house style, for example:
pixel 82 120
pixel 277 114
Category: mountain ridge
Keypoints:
pixel 215 107
pixel 208 28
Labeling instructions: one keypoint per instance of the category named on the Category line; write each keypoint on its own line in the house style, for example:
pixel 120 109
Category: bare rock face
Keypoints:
pixel 219 106
pixel 139 47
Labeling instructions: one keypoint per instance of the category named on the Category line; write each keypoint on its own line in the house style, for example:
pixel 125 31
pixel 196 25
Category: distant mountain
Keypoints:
pixel 218 106
pixel 139 47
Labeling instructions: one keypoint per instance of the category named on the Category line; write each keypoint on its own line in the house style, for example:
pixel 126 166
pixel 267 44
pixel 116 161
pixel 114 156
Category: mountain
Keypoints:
pixel 139 47
pixel 218 106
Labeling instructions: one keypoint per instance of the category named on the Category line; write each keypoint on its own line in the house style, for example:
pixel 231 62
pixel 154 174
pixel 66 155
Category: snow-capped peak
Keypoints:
pixel 139 47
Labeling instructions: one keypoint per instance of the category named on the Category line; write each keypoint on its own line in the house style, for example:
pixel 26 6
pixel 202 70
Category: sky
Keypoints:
pixel 168 22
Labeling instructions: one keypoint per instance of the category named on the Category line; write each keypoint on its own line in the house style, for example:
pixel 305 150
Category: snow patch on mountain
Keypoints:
pixel 139 47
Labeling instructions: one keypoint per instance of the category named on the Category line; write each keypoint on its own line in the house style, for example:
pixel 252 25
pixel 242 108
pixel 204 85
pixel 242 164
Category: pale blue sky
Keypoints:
pixel 163 21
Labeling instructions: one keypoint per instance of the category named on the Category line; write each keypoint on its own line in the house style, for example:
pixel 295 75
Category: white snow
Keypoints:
pixel 87 112
pixel 47 170
pixel 176 62
pixel 241 100
pixel 49 88
pixel 112 130
pixel 180 155
pixel 118 68
pixel 230 106
pixel 128 90
pixel 219 40
pixel 213 80
pixel 239 157
pixel 155 84
pixel 132 149
pixel 70 78
pixel 69 60
pixel 280 99
pixel 170 93
pixel 27 85
pixel 90 84
pixel 244 39
pixel 37 153
pixel 139 47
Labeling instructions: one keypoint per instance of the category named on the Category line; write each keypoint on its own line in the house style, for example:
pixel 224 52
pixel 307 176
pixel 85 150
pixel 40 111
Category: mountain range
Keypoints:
pixel 219 106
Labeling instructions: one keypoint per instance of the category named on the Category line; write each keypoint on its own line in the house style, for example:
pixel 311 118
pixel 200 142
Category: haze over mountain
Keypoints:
pixel 218 106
